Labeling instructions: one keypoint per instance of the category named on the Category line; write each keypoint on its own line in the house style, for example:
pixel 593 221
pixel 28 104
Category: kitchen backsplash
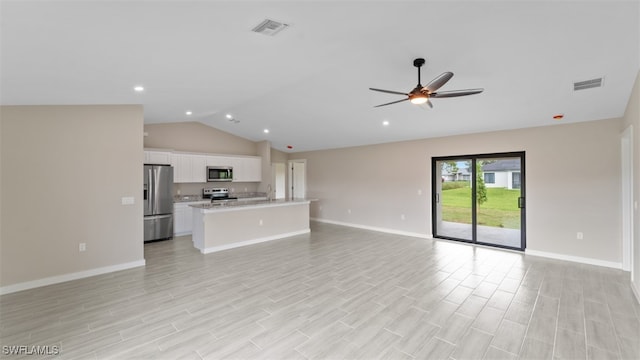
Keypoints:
pixel 196 188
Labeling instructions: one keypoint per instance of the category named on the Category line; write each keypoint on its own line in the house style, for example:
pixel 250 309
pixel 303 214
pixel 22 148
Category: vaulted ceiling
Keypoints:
pixel 308 85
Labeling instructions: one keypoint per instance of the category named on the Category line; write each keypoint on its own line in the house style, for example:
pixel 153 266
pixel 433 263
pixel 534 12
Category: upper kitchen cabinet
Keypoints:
pixel 245 168
pixel 189 168
pixel 192 168
pixel 249 169
pixel 158 157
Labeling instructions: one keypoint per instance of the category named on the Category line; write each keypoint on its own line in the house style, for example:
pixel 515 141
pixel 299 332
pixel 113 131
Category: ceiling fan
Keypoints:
pixel 421 95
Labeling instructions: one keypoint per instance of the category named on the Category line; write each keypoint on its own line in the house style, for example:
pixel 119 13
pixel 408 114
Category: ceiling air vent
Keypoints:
pixel 269 27
pixel 587 84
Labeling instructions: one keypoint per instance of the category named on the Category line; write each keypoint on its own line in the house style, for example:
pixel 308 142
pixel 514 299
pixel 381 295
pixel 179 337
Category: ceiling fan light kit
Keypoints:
pixel 421 94
pixel 418 98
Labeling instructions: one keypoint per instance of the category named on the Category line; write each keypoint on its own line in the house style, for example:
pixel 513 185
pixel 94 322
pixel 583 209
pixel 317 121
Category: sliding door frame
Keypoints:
pixel 474 216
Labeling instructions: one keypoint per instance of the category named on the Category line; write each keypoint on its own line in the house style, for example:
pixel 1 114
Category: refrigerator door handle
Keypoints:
pixel 150 191
pixel 155 190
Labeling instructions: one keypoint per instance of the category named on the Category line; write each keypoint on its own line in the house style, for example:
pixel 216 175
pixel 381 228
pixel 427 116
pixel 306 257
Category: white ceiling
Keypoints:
pixel 309 84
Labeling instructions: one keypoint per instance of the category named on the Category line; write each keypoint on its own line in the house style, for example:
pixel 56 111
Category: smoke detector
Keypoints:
pixel 588 84
pixel 269 27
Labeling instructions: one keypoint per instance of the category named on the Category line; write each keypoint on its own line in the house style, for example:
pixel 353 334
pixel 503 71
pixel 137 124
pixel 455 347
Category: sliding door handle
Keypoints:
pixel 437 198
pixel 521 202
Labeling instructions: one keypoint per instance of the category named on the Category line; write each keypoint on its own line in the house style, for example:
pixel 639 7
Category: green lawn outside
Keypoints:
pixel 500 209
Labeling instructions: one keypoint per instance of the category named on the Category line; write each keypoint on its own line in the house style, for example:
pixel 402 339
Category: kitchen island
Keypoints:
pixel 218 227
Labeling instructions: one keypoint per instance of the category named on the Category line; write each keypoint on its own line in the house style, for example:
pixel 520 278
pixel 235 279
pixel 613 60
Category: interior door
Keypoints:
pixel 297 179
pixel 480 199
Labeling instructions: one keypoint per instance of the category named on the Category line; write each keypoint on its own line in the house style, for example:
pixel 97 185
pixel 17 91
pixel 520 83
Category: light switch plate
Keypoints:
pixel 128 200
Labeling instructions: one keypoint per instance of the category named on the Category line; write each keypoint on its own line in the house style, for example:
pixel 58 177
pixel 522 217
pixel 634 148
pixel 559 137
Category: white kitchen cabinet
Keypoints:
pixel 245 168
pixel 189 168
pixel 181 168
pixel 183 217
pixel 249 169
pixel 192 168
pixel 216 160
pixel 158 157
pixel 199 168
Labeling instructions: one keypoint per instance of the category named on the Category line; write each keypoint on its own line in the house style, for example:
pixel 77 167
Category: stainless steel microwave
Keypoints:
pixel 219 173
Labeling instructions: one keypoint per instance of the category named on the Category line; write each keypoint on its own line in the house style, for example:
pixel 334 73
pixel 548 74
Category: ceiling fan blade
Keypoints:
pixel 454 93
pixel 393 102
pixel 430 103
pixel 389 91
pixel 437 83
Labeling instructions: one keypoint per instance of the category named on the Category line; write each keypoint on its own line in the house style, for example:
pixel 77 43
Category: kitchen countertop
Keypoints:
pixel 242 196
pixel 187 198
pixel 241 205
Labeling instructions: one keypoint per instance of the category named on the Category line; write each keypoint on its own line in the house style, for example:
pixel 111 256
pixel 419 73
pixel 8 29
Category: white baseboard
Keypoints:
pixel 253 241
pixel 375 228
pixel 68 277
pixel 578 259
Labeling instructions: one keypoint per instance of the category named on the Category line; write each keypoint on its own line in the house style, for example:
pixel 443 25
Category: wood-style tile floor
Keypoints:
pixel 335 293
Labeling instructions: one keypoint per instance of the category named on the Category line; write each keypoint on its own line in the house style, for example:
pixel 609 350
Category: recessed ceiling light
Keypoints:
pixel 138 88
pixel 188 113
pixel 266 131
pixel 385 123
pixel 229 116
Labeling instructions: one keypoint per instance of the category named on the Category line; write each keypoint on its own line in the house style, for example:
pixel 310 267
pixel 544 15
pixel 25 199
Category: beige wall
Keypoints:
pixel 278 156
pixel 632 117
pixel 64 171
pixel 196 137
pixel 572 175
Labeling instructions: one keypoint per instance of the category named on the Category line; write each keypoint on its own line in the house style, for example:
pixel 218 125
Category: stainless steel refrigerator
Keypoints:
pixel 158 202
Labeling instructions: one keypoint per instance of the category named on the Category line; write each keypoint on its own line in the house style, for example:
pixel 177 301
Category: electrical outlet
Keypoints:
pixel 261 222
pixel 128 200
pixel 419 192
pixel 348 211
pixel 402 217
pixel 579 235
pixel 82 247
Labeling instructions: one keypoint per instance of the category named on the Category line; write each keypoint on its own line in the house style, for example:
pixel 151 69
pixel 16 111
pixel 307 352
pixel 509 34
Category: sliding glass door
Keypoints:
pixel 454 202
pixel 480 199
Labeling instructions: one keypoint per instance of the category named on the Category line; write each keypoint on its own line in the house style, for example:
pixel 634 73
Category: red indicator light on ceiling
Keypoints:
pixel 558 117
pixel 289 147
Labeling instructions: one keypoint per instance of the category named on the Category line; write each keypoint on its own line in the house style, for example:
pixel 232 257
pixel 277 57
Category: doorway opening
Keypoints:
pixel 480 199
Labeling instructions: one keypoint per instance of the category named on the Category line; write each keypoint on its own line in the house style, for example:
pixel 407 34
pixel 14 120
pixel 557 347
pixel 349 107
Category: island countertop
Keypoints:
pixel 244 205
